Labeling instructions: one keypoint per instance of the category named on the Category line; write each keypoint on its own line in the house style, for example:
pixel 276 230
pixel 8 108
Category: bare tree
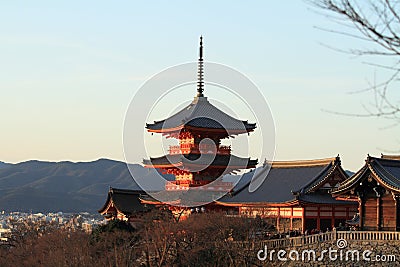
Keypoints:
pixel 376 22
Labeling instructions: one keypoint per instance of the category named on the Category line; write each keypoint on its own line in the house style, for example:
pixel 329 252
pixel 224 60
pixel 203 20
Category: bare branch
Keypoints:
pixel 377 22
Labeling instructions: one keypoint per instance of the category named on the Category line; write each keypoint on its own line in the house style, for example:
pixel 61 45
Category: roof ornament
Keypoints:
pixel 200 82
pixel 337 159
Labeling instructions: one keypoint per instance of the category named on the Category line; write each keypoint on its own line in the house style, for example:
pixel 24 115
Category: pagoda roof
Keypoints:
pixel 290 182
pixel 192 197
pixel 125 201
pixel 192 159
pixel 201 115
pixel 385 170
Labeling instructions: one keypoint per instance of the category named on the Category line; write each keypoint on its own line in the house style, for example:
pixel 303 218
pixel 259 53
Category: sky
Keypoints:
pixel 69 69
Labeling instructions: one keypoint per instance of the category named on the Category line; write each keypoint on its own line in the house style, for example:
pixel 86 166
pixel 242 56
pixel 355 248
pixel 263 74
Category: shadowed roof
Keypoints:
pixel 201 114
pixel 385 170
pixel 201 159
pixel 124 200
pixel 394 157
pixel 193 197
pixel 290 181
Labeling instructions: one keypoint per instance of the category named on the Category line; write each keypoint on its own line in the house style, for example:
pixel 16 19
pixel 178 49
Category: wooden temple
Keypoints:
pixel 375 188
pixel 123 204
pixel 295 195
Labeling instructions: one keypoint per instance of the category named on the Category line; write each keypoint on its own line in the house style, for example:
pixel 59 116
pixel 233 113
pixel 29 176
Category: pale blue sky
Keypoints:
pixel 68 71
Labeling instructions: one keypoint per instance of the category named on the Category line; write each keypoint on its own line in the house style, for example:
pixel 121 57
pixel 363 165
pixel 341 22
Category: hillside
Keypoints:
pixel 64 186
pixel 4 165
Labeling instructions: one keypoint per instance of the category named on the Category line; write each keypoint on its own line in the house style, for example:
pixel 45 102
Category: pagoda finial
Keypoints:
pixel 200 82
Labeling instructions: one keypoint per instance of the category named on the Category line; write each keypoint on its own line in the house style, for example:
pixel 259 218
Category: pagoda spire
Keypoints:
pixel 200 81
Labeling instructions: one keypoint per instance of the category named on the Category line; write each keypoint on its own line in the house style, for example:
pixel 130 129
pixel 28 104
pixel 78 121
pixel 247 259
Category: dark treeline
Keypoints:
pixel 209 239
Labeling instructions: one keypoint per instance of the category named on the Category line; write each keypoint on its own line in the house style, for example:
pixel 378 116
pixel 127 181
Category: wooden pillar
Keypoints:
pixel 278 219
pixel 333 217
pixel 318 219
pixel 378 213
pixel 291 218
pixel 361 213
pixel 303 220
pixel 396 205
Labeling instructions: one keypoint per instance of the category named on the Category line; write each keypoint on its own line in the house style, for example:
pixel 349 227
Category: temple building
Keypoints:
pixel 295 196
pixel 376 190
pixel 123 204
pixel 299 195
pixel 199 159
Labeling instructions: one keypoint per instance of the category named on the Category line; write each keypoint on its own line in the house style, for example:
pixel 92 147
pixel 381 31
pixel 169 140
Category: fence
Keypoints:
pixel 331 236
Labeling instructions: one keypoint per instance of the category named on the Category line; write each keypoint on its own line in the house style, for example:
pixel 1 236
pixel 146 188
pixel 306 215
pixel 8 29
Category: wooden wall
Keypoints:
pixel 379 213
pixel 369 216
pixel 388 214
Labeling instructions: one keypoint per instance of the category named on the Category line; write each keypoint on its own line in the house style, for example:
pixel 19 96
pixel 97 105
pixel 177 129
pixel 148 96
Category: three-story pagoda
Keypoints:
pixel 199 159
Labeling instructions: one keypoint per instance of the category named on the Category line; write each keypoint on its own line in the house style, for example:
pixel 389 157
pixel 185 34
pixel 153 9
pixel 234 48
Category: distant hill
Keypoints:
pixel 4 165
pixel 64 186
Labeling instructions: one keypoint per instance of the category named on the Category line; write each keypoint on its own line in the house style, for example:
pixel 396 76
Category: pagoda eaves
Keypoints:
pixel 201 115
pixel 187 161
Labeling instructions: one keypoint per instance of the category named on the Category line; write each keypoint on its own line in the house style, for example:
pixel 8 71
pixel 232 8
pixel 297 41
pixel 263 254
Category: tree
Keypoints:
pixel 376 22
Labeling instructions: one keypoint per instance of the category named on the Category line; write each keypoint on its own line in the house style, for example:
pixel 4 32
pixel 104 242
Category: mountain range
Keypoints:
pixel 39 186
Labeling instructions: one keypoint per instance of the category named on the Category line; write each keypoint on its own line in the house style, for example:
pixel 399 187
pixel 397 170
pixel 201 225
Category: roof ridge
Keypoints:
pixel 328 170
pixel 390 160
pixel 381 171
pixel 301 163
pixel 391 157
pixel 195 103
pixel 354 178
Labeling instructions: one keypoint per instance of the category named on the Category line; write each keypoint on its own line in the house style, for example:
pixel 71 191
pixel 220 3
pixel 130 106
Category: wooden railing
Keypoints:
pixel 331 236
pixel 368 235
pixel 201 148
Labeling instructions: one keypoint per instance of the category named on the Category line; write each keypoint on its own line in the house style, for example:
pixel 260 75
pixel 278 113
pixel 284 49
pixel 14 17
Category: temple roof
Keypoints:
pixel 200 160
pixel 124 200
pixel 201 114
pixel 386 170
pixel 395 157
pixel 290 181
pixel 193 197
pixel 319 198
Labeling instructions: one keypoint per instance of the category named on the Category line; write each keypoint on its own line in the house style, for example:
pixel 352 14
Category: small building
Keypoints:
pixel 294 195
pixel 376 190
pixel 123 204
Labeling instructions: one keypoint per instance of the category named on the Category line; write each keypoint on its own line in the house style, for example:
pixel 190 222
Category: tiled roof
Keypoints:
pixel 289 181
pixel 202 114
pixel 191 197
pixel 206 159
pixel 125 201
pixel 394 157
pixel 386 170
pixel 318 198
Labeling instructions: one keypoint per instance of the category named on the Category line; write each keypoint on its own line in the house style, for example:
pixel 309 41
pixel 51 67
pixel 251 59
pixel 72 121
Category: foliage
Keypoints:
pixel 209 239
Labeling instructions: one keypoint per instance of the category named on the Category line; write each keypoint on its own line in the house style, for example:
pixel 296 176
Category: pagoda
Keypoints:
pixel 200 159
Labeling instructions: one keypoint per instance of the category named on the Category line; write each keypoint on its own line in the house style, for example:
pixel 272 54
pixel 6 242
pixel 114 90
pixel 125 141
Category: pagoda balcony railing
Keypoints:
pixel 202 185
pixel 201 148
